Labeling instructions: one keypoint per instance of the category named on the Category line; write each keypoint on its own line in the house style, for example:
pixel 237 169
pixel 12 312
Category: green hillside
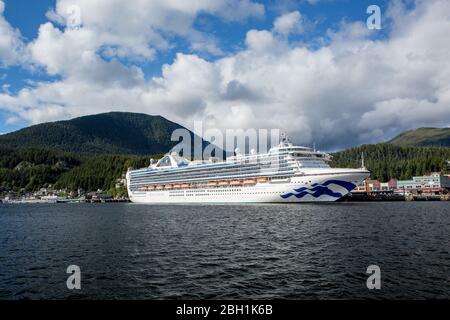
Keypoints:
pixel 100 172
pixel 106 133
pixel 23 170
pixel 387 161
pixel 31 169
pixel 423 137
pixel 89 152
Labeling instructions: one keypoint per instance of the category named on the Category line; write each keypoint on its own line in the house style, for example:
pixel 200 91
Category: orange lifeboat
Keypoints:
pixel 185 185
pixel 212 183
pixel 223 183
pixel 262 179
pixel 235 182
pixel 159 187
pixel 249 181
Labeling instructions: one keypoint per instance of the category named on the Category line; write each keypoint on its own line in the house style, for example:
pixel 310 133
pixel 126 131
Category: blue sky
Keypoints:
pixel 27 16
pixel 41 84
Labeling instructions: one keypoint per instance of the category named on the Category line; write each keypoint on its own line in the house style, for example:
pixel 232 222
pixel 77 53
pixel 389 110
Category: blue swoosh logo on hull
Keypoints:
pixel 318 190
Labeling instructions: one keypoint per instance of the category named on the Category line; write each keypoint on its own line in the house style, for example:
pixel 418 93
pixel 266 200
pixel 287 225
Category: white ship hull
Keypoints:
pixel 327 185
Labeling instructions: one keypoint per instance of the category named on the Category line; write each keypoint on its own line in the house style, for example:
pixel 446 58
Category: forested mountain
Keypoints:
pixel 387 161
pixel 92 152
pixel 423 137
pixel 105 133
pixel 89 152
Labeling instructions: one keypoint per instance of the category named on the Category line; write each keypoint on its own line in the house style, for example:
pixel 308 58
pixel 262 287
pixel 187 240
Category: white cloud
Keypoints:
pixel 288 23
pixel 12 120
pixel 72 54
pixel 139 27
pixel 12 49
pixel 352 90
pixel 238 10
pixel 261 41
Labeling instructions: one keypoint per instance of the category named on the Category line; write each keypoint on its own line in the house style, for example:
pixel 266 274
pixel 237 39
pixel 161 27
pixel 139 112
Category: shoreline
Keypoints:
pixel 71 201
pixel 358 200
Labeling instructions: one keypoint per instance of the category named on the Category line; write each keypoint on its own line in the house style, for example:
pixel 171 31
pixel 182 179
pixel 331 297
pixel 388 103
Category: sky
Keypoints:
pixel 311 68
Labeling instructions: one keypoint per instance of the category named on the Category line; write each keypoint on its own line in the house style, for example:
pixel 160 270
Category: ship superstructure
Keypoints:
pixel 286 173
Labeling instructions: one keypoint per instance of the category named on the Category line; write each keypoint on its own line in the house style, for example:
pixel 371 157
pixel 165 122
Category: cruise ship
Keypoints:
pixel 285 174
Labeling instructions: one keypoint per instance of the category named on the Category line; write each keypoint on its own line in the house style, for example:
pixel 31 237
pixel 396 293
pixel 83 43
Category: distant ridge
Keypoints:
pixel 104 133
pixel 423 137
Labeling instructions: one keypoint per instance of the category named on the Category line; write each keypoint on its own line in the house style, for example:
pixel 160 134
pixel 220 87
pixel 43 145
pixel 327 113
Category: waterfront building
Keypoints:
pixel 391 185
pixel 372 185
pixel 434 183
pixel 375 186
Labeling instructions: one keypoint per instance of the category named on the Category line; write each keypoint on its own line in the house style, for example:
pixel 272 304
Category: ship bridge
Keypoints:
pixel 172 160
pixel 300 153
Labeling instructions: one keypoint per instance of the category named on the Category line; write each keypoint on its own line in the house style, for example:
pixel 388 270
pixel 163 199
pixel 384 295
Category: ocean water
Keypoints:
pixel 308 251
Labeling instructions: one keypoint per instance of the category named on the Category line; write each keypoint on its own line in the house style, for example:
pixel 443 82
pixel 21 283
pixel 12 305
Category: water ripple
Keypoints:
pixel 308 251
